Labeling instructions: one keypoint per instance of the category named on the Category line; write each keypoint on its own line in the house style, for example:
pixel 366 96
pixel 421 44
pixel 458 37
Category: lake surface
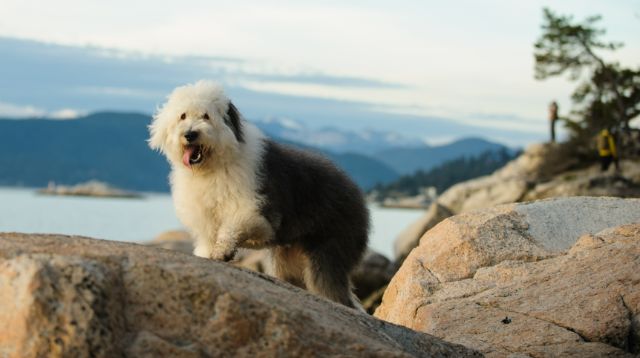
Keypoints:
pixel 139 220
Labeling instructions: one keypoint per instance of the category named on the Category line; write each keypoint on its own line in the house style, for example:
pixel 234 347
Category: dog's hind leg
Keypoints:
pixel 288 263
pixel 324 276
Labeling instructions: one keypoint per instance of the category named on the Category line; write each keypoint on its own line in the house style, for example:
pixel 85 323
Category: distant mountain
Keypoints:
pixel 111 147
pixel 401 154
pixel 409 160
pixel 336 140
pixel 363 169
pixel 366 171
pixel 446 174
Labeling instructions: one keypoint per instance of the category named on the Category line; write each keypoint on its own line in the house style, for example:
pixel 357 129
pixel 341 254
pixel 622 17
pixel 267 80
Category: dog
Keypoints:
pixel 234 188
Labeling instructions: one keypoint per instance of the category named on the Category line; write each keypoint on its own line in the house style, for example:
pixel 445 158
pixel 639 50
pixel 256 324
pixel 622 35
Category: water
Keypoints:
pixel 139 220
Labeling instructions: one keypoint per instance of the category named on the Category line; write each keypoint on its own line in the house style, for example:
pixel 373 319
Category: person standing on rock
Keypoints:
pixel 607 150
pixel 553 118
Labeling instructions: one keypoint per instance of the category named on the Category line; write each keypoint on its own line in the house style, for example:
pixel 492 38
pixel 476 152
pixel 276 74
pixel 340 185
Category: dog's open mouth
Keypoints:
pixel 193 154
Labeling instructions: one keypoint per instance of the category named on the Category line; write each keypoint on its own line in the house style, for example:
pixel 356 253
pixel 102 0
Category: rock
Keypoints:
pixel 585 182
pixel 538 279
pixel 409 237
pixel 541 171
pixel 180 240
pixel 483 192
pixel 506 185
pixel 557 223
pixel 373 273
pixel 177 240
pixel 92 188
pixel 375 270
pixel 72 296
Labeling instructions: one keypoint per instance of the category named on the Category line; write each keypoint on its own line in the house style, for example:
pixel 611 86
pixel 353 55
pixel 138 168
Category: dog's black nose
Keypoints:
pixel 190 136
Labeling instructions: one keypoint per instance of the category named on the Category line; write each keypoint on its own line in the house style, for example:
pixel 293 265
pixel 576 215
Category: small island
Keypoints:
pixel 92 188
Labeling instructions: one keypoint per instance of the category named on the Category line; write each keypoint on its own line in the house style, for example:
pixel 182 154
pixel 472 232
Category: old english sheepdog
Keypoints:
pixel 232 187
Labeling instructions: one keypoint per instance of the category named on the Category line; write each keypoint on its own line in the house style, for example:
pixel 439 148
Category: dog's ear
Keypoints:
pixel 157 135
pixel 232 119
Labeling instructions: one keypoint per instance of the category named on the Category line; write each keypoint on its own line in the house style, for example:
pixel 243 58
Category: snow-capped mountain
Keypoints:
pixel 368 141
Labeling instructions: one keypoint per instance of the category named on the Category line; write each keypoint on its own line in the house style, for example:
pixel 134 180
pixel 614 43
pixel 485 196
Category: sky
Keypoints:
pixel 466 63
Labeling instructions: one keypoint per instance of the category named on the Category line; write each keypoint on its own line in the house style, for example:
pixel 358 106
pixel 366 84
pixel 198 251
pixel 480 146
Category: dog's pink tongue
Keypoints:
pixel 188 151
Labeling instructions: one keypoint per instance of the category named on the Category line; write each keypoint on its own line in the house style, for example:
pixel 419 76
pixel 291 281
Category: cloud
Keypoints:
pixel 14 111
pixel 44 77
pixel 451 62
pixel 10 110
pixel 66 113
pixel 118 91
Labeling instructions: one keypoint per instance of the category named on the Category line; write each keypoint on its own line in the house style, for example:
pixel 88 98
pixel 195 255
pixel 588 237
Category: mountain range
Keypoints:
pixel 407 160
pixel 368 141
pixel 111 147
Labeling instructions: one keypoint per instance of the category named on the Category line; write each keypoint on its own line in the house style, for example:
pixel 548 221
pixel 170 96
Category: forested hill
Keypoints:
pixel 447 174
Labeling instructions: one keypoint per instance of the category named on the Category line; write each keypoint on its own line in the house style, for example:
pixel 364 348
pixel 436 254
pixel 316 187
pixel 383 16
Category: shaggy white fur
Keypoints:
pixel 218 199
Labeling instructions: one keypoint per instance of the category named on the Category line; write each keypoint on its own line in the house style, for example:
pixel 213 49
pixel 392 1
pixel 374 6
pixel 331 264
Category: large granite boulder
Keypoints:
pixel 409 237
pixel 373 272
pixel 538 279
pixel 78 297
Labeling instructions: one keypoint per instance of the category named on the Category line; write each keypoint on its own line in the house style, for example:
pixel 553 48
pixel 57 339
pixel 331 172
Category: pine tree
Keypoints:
pixel 609 95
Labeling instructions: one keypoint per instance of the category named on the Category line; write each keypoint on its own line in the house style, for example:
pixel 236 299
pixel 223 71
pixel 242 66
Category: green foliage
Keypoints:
pixel 447 174
pixel 607 97
pixel 564 46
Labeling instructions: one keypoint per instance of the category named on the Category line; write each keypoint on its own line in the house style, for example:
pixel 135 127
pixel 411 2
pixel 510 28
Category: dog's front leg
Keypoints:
pixel 203 248
pixel 225 246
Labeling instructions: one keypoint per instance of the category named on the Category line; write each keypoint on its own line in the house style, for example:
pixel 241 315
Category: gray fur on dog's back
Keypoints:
pixel 311 203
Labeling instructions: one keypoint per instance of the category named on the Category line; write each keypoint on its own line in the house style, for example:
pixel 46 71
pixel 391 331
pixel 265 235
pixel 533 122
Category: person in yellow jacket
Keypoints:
pixel 607 150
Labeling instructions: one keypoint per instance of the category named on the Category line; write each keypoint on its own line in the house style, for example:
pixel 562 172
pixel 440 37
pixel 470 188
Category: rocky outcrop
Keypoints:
pixel 178 240
pixel 540 173
pixel 91 188
pixel 71 296
pixel 409 237
pixel 540 279
pixel 506 185
pixel 373 273
pixel 590 182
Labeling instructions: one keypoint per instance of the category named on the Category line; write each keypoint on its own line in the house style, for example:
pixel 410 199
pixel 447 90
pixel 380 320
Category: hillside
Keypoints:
pixel 111 147
pixel 410 160
pixel 446 174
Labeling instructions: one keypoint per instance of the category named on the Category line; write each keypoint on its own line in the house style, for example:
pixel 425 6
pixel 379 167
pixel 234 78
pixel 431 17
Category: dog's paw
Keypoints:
pixel 229 256
pixel 202 251
pixel 223 255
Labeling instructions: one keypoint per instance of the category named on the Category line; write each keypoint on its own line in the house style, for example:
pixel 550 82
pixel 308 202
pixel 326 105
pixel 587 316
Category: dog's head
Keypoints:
pixel 196 126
